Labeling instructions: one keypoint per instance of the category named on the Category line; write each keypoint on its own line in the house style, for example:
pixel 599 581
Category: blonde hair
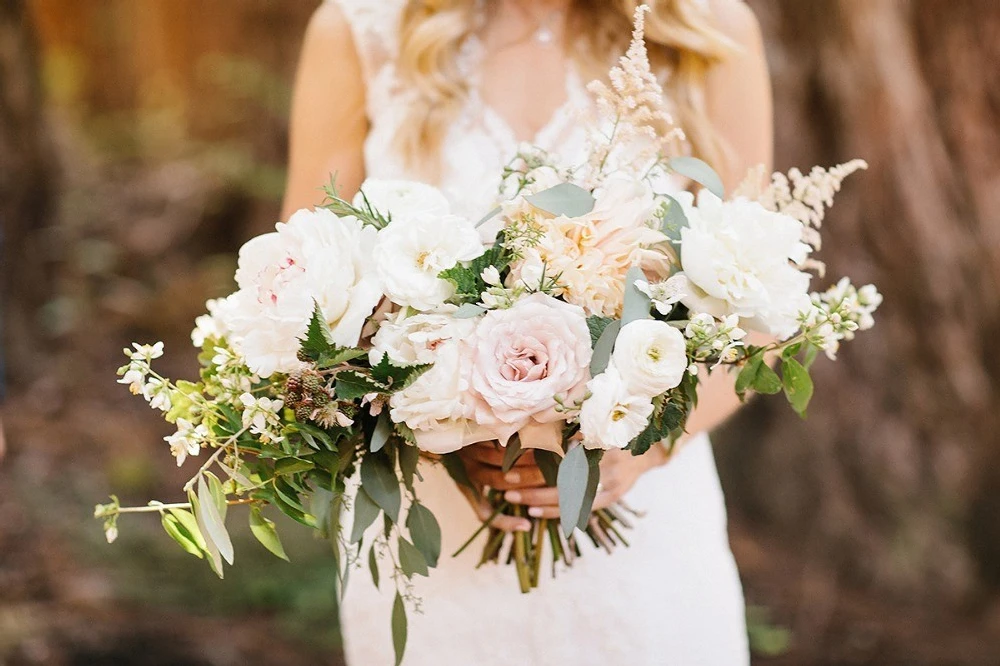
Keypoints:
pixel 680 36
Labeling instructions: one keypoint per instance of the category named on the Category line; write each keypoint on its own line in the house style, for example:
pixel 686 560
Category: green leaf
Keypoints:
pixel 468 311
pixel 319 338
pixel 211 522
pixel 263 529
pixel 574 473
pixel 489 216
pixel 288 494
pixel 338 355
pixel 380 482
pixel 365 513
pixel 563 199
pixel 409 458
pixel 602 350
pixel 425 532
pixel 593 480
pixel 373 565
pixel 211 549
pixel 352 385
pixel 759 376
pixel 636 305
pixel 468 280
pixel 399 628
pixel 218 495
pixel 700 172
pixel 511 453
pixel 548 465
pixel 664 421
pixel 455 466
pixel 383 428
pixel 396 377
pixel 812 351
pixel 181 535
pixel 293 465
pixel 597 324
pixel 411 560
pixel 674 219
pixel 798 385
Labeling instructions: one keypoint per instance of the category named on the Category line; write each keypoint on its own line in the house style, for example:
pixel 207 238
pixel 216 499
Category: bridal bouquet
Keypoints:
pixel 576 317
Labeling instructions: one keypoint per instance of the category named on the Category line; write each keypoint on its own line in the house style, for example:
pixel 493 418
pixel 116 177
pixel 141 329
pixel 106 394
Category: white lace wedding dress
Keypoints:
pixel 673 597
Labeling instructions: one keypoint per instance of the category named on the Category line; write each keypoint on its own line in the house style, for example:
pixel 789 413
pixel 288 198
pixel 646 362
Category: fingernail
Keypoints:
pixel 524 527
pixel 512 477
pixel 535 512
pixel 513 496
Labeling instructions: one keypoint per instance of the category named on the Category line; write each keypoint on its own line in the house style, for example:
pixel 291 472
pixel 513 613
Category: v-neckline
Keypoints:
pixel 498 125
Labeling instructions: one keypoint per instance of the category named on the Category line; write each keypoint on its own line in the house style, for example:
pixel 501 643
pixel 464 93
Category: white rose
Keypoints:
pixel 651 356
pixel 412 252
pixel 612 416
pixel 315 257
pixel 402 199
pixel 415 339
pixel 737 256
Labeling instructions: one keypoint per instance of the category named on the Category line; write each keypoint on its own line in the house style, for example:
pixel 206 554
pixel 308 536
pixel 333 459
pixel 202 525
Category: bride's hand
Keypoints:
pixel 619 472
pixel 484 462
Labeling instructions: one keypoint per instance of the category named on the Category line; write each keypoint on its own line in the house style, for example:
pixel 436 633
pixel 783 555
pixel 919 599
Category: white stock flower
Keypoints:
pixel 157 394
pixel 145 353
pixel 401 199
pixel 650 356
pixel 738 257
pixel 316 257
pixel 261 417
pixel 665 295
pixel 187 440
pixel 412 252
pixel 135 378
pixel 612 416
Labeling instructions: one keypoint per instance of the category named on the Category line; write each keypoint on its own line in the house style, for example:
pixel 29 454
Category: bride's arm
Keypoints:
pixel 328 122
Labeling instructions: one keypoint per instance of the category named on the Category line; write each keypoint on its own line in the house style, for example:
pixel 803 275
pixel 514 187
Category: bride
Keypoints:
pixel 444 91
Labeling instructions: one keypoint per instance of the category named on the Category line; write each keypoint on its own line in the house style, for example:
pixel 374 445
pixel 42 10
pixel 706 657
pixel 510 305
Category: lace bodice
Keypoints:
pixel 479 142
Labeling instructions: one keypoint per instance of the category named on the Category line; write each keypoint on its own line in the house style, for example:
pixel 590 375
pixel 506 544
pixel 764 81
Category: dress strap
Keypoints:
pixel 375 27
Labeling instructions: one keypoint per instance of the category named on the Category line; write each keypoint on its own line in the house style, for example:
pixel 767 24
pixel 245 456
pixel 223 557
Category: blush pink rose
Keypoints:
pixel 524 359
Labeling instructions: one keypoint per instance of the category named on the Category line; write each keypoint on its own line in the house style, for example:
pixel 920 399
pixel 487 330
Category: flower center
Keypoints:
pixel 618 413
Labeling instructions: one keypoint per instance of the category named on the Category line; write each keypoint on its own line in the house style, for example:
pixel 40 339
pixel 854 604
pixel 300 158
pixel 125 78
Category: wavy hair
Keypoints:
pixel 681 37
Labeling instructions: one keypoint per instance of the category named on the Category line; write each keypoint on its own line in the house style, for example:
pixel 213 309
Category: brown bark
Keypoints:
pixel 25 187
pixel 894 476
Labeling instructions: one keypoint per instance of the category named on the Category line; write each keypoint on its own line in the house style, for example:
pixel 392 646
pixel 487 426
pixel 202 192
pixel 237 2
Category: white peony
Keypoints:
pixel 651 356
pixel 612 416
pixel 401 199
pixel 417 339
pixel 412 252
pixel 738 259
pixel 315 257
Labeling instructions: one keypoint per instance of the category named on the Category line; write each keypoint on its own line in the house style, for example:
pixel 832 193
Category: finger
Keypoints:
pixel 515 479
pixel 550 512
pixel 484 510
pixel 489 454
pixel 533 496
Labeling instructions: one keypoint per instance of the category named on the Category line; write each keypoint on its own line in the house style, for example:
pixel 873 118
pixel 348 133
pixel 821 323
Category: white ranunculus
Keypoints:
pixel 315 257
pixel 738 257
pixel 650 356
pixel 411 252
pixel 612 416
pixel 402 199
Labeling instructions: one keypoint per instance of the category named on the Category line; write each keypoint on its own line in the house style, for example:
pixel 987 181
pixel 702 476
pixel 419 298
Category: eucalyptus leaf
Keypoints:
pixel 425 532
pixel 674 219
pixel 563 199
pixel 411 560
pixel 548 465
pixel 511 453
pixel 383 428
pixel 468 311
pixel 373 565
pixel 593 480
pixel 409 458
pixel 596 324
pixel 602 350
pixel 211 522
pixel 380 482
pixel 637 304
pixel 263 529
pixel 574 473
pixel 365 513
pixel 798 385
pixel 489 216
pixel 399 628
pixel 700 172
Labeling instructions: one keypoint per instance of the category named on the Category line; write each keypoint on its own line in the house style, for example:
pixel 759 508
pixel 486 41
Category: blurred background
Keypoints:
pixel 142 141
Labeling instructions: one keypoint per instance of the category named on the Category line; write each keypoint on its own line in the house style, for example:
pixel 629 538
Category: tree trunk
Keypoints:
pixel 25 185
pixel 895 476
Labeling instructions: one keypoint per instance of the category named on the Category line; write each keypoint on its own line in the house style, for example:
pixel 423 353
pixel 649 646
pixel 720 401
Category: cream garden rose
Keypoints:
pixel 650 356
pixel 613 415
pixel 412 252
pixel 317 257
pixel 523 359
pixel 739 257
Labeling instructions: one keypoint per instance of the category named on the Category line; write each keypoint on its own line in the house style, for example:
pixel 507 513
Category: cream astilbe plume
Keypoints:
pixel 633 103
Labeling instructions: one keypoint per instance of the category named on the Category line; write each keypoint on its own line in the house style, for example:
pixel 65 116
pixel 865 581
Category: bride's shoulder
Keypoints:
pixel 735 18
pixel 373 26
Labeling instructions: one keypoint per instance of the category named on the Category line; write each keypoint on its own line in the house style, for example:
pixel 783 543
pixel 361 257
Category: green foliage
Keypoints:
pixel 183 532
pixel 318 345
pixel 396 377
pixel 365 513
pixel 379 480
pixel 381 433
pixel 667 417
pixel 603 347
pixel 798 385
pixel 593 479
pixel 425 532
pixel 673 219
pixel 365 212
pixel 548 464
pixel 574 473
pixel 511 453
pixel 563 199
pixel 354 385
pixel 597 324
pixel 399 628
pixel 411 560
pixel 766 638
pixel 468 280
pixel 700 172
pixel 636 305
pixel 263 529
pixel 409 458
pixel 758 376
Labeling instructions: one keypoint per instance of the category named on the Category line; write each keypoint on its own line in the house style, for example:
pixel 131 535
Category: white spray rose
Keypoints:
pixel 402 199
pixel 650 356
pixel 412 252
pixel 612 416
pixel 316 256
pixel 738 257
